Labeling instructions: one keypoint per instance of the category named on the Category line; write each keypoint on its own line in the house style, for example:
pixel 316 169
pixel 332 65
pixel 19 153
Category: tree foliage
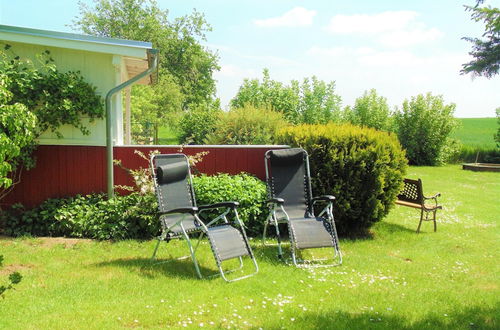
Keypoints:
pixel 486 51
pixel 370 110
pixel 424 125
pixel 198 122
pixel 313 101
pixel 154 107
pixel 189 63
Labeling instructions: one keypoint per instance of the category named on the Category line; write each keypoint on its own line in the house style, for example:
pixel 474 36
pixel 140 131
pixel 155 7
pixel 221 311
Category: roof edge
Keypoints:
pixel 75 37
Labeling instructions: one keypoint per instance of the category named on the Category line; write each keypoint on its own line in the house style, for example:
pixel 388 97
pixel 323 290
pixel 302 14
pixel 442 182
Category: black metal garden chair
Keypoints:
pixel 291 202
pixel 180 217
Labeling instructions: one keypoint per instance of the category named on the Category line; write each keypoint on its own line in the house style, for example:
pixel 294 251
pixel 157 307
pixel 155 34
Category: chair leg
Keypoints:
pixel 421 219
pixel 264 233
pixel 193 256
pixel 434 219
pixel 153 257
pixel 280 250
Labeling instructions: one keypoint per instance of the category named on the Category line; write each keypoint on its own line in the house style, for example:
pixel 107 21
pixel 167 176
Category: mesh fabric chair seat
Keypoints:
pixel 180 216
pixel 291 202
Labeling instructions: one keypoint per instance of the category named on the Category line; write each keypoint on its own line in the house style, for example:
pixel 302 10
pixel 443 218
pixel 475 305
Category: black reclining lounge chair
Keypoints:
pixel 291 202
pixel 180 217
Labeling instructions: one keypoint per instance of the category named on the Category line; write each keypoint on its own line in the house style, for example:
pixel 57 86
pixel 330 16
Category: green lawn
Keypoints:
pixel 393 280
pixel 477 132
pixel 168 136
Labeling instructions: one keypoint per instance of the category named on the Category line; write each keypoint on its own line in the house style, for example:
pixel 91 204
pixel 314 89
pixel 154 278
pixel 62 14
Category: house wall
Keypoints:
pixel 101 70
pixel 64 171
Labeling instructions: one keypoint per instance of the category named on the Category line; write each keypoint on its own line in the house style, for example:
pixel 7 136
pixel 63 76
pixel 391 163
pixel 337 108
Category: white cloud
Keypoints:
pixel 370 24
pixel 406 38
pixel 390 28
pixel 298 16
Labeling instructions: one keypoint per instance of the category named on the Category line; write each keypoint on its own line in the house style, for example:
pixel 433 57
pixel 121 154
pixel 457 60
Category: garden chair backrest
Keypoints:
pixel 173 184
pixel 288 178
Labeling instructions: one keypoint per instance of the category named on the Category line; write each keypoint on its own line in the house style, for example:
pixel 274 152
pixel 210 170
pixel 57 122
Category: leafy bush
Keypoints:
pixel 249 191
pixel 363 168
pixel 198 122
pixel 473 154
pixel 497 135
pixel 424 125
pixel 370 110
pixel 131 216
pixel 247 125
pixel 91 216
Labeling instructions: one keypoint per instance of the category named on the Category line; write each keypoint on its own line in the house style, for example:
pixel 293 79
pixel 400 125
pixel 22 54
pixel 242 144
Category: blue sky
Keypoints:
pixel 401 48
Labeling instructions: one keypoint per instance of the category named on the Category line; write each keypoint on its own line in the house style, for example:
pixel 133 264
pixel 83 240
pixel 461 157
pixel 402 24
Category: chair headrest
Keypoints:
pixel 172 172
pixel 286 157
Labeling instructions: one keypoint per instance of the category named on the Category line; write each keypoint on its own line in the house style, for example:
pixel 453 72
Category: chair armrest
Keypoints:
pixel 433 197
pixel 232 205
pixel 276 201
pixel 191 210
pixel 325 198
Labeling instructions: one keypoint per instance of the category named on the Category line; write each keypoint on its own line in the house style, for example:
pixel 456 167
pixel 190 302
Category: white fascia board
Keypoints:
pixel 73 41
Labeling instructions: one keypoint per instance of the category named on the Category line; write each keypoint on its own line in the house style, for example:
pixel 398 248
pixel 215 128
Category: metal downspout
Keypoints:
pixel 109 130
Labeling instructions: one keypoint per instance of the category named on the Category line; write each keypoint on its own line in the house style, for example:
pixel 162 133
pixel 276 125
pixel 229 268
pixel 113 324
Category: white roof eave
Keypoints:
pixel 129 48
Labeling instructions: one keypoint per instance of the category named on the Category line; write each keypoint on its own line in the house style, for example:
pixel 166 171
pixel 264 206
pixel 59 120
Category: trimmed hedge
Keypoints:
pixel 362 167
pixel 132 216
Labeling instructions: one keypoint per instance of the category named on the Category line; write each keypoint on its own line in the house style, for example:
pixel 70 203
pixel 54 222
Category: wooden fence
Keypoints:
pixel 64 171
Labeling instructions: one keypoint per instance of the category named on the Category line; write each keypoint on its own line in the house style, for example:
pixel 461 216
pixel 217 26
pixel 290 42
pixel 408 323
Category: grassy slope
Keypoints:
pixel 477 132
pixel 168 136
pixel 395 280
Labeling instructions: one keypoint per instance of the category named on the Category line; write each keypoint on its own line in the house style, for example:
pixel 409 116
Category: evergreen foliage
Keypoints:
pixel 363 168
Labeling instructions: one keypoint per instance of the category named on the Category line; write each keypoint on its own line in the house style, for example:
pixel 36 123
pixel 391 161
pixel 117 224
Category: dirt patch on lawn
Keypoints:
pixel 49 242
pixel 15 268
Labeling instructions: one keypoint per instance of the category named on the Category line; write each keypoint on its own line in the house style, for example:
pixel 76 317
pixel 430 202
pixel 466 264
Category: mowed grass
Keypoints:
pixel 168 136
pixel 477 132
pixel 396 279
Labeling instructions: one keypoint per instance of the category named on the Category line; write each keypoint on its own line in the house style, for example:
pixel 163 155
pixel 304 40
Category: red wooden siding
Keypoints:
pixel 63 171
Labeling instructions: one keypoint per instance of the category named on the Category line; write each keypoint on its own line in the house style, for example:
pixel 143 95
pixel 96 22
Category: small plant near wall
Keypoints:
pixel 14 278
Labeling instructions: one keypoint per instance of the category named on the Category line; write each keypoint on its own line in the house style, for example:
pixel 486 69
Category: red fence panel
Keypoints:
pixel 64 171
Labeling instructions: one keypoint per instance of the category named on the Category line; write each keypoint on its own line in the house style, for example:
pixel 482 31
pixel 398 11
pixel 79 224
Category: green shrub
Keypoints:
pixel 424 125
pixel 370 110
pixel 472 154
pixel 362 167
pixel 131 216
pixel 497 135
pixel 91 216
pixel 247 125
pixel 197 123
pixel 249 191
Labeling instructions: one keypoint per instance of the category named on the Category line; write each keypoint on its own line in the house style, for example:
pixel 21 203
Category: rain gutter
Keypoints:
pixel 153 60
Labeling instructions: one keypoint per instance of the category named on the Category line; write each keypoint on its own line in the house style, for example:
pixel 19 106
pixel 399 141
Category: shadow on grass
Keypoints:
pixel 392 228
pixel 471 318
pixel 183 269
